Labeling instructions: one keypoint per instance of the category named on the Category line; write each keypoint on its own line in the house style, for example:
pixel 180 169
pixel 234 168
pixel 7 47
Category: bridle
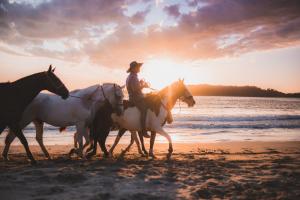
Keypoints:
pixel 115 93
pixel 116 97
pixel 166 107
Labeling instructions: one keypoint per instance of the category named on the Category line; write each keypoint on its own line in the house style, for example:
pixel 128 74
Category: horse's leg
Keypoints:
pixel 120 134
pixel 166 135
pixel 152 140
pixel 81 129
pixel 142 142
pixel 135 138
pixel 75 140
pixel 130 144
pixel 17 130
pixel 101 141
pixel 39 137
pixel 8 140
pixel 87 139
pixel 92 149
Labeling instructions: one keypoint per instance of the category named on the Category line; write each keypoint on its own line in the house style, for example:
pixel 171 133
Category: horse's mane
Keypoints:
pixel 108 84
pixel 78 90
pixel 165 90
pixel 26 78
pixel 96 85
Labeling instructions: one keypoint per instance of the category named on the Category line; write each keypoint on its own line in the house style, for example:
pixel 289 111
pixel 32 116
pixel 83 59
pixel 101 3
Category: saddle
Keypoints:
pixel 152 101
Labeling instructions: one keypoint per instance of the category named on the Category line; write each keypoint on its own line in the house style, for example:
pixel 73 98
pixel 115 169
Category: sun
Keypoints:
pixel 162 72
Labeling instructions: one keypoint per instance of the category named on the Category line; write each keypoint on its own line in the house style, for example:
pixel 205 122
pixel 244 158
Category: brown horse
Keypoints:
pixel 155 121
pixel 17 95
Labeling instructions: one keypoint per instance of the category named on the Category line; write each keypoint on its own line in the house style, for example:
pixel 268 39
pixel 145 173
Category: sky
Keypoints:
pixel 220 42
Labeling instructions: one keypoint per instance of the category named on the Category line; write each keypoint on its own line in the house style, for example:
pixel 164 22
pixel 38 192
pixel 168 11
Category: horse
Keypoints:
pixel 79 110
pixel 99 130
pixel 156 118
pixel 17 95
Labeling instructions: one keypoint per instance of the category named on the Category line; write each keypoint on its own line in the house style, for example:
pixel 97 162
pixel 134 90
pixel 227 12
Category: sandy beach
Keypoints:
pixel 232 170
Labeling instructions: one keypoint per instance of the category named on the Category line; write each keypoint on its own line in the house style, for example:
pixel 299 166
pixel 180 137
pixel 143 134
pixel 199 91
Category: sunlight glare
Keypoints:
pixel 162 72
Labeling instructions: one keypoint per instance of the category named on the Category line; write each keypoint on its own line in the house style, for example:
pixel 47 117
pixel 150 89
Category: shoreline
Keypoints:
pixel 230 146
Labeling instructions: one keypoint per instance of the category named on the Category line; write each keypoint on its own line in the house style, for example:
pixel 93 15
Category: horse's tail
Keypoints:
pixel 61 129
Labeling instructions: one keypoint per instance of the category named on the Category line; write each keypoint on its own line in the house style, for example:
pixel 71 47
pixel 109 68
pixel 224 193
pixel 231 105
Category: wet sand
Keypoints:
pixel 231 170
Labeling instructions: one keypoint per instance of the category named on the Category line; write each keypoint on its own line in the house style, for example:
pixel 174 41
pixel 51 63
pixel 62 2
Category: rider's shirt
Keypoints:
pixel 134 87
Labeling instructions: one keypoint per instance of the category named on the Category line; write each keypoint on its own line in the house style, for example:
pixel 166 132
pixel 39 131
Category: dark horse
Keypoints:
pixel 16 96
pixel 100 128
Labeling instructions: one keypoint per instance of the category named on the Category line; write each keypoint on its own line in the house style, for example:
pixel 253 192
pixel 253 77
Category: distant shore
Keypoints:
pixel 260 170
pixel 238 91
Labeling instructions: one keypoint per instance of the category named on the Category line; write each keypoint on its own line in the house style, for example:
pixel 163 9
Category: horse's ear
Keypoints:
pixel 50 69
pixel 53 69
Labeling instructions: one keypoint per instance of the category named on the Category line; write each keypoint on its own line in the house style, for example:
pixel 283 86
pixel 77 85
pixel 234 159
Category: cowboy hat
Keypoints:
pixel 133 65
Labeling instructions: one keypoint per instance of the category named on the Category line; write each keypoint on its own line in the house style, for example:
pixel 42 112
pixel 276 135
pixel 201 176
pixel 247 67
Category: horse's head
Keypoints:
pixel 54 84
pixel 114 94
pixel 183 93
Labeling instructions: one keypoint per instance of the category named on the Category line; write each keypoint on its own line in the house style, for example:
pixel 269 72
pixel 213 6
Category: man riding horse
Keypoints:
pixel 134 87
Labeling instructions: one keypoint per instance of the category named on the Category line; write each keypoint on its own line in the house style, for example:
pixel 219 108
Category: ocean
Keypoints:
pixel 212 119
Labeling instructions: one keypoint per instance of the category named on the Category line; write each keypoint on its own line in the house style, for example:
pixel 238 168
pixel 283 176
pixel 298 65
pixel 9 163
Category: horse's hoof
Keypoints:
pixel 72 151
pixel 110 155
pixel 79 153
pixel 84 158
pixel 5 158
pixel 152 156
pixel 122 154
pixel 120 157
pixel 33 162
pixel 169 156
pixel 106 155
pixel 89 155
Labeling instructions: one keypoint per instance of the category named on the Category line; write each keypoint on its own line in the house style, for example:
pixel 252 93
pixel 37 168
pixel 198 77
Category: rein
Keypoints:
pixel 164 106
pixel 179 106
pixel 104 93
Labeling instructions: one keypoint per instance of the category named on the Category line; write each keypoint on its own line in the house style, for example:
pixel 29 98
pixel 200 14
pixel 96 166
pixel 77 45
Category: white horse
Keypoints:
pixel 166 98
pixel 78 110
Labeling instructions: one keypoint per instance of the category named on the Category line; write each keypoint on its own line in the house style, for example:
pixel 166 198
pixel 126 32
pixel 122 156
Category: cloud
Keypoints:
pixel 173 10
pixel 99 30
pixel 59 18
pixel 139 17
